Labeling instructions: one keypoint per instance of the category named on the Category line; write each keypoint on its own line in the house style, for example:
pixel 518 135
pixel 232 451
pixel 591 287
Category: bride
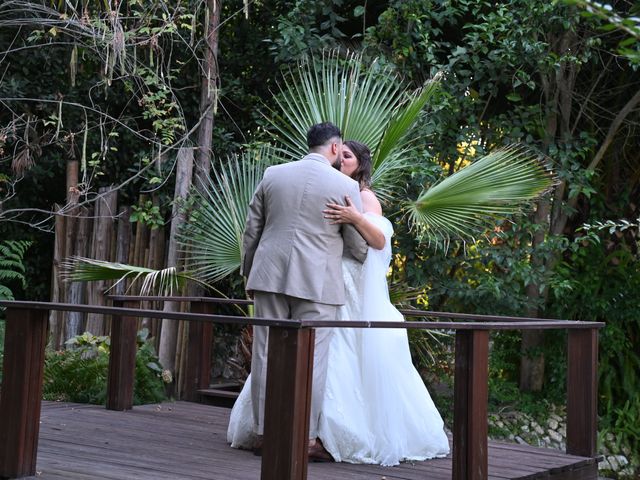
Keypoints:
pixel 376 408
pixel 386 415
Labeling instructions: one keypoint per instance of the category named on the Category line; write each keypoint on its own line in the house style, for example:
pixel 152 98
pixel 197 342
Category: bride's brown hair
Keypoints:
pixel 362 174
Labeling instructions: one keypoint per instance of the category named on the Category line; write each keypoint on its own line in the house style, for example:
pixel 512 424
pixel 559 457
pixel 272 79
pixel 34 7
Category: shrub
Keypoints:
pixel 79 374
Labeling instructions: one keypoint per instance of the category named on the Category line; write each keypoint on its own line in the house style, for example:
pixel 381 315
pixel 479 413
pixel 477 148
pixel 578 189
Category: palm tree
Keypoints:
pixel 370 104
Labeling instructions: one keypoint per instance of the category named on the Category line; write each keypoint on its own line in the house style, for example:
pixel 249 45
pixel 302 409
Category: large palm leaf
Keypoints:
pixel 213 235
pixel 211 238
pixel 166 281
pixel 468 202
pixel 367 102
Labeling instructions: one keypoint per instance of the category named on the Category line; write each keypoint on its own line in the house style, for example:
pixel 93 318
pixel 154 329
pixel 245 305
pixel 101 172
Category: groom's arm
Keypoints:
pixel 252 230
pixel 354 243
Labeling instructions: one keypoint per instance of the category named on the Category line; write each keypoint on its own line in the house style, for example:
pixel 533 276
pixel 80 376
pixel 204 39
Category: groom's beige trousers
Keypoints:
pixel 276 305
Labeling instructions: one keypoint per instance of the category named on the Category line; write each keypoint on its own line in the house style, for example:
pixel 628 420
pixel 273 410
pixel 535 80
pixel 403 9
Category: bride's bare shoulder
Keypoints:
pixel 370 203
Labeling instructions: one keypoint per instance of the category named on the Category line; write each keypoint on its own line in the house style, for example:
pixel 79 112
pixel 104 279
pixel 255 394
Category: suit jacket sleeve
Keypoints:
pixel 354 244
pixel 253 230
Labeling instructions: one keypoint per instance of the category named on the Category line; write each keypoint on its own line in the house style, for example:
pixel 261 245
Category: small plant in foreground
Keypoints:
pixel 79 374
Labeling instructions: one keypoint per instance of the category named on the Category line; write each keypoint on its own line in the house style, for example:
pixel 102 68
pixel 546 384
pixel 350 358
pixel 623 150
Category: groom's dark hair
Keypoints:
pixel 320 134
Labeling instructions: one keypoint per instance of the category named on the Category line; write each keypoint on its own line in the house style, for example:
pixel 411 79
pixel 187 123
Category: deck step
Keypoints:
pixel 220 394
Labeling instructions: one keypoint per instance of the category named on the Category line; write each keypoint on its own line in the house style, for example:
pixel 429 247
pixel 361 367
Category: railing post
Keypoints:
pixel 122 360
pixel 288 403
pixel 470 421
pixel 21 395
pixel 198 353
pixel 582 392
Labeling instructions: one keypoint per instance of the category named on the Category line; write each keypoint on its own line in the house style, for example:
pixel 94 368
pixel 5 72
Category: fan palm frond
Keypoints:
pixel 212 238
pixel 367 102
pixel 468 202
pixel 404 117
pixel 334 90
pixel 166 281
pixel 213 235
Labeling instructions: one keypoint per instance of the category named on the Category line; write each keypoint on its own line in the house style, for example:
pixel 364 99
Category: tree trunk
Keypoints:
pixel 208 93
pixel 558 89
pixel 77 290
pixel 123 242
pixel 103 224
pixel 70 226
pixel 169 330
pixel 531 356
pixel 208 109
pixel 57 286
pixel 208 106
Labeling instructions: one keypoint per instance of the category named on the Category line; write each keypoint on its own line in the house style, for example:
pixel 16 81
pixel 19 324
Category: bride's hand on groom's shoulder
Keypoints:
pixel 341 213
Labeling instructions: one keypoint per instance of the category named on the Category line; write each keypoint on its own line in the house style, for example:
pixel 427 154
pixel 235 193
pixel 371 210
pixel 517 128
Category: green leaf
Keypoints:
pixel 161 282
pixel 470 201
pixel 368 103
pixel 628 41
pixel 212 238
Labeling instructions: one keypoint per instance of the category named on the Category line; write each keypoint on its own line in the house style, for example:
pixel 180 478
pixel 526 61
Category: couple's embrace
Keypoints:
pixel 316 247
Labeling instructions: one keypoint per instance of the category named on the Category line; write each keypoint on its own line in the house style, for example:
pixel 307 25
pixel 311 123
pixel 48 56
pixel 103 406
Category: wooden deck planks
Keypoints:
pixel 188 441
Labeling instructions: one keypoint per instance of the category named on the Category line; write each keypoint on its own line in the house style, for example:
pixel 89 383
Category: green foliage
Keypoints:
pixel 306 26
pixel 148 213
pixel 367 102
pixel 600 277
pixel 629 24
pixel 162 110
pixel 467 203
pixel 71 377
pixel 11 265
pixel 213 235
pixel 504 365
pixel 623 423
pixel 79 373
pixel 164 281
pixel 602 286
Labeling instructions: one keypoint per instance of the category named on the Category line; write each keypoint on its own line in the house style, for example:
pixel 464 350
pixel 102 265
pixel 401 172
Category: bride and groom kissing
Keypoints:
pixel 316 247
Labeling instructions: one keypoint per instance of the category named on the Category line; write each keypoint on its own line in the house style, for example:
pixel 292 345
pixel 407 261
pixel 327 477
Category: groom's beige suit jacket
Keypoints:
pixel 288 246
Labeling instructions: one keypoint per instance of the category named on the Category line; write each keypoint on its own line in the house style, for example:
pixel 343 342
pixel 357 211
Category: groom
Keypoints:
pixel 292 256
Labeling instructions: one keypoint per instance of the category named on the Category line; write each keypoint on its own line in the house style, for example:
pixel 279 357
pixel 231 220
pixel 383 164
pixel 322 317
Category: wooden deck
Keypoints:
pixel 185 440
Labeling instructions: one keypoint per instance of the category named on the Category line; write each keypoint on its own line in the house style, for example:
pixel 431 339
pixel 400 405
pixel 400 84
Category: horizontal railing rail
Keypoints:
pixel 530 324
pixel 409 312
pixel 290 364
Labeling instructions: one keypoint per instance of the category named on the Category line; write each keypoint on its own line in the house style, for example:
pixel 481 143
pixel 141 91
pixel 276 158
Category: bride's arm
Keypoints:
pixel 350 214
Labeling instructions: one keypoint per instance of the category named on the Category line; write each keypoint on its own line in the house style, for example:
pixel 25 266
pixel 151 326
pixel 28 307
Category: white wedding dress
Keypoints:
pixel 376 407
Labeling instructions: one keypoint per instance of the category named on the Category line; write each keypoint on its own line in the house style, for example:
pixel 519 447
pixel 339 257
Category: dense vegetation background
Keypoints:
pixel 116 86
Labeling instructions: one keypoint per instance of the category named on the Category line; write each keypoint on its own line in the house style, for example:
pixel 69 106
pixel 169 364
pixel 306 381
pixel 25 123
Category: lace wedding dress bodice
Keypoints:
pixel 376 407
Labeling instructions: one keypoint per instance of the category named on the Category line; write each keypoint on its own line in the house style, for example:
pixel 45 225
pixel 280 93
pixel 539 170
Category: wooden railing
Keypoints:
pixel 289 373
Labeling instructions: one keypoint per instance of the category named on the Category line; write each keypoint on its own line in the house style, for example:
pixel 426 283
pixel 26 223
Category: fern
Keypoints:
pixel 11 265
